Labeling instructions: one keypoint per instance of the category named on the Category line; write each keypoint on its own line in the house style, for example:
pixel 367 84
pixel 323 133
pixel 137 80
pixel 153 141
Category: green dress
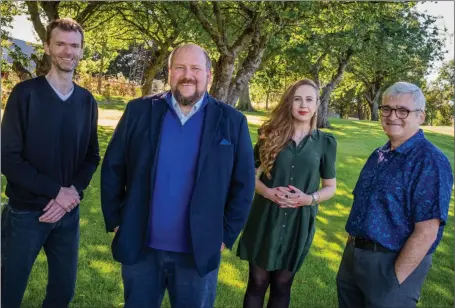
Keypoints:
pixel 277 238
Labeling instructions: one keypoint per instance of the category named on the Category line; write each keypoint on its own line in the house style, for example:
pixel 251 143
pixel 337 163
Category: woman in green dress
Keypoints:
pixel 292 159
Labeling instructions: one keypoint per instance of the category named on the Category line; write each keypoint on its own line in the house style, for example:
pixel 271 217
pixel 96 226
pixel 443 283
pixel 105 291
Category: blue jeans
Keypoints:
pixel 146 281
pixel 23 236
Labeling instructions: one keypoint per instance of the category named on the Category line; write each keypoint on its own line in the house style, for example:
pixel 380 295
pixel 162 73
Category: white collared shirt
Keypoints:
pixel 183 118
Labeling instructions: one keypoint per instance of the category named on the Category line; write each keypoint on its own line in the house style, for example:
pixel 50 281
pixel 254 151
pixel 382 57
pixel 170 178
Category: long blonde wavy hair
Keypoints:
pixel 278 130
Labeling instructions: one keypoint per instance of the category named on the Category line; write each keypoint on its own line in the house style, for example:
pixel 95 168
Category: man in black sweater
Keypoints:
pixel 49 154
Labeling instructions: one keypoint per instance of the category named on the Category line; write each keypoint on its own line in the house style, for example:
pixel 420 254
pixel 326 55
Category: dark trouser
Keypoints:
pixel 23 236
pixel 146 281
pixel 367 279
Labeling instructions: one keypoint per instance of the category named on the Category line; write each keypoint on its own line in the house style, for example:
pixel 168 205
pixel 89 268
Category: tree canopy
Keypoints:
pixel 352 50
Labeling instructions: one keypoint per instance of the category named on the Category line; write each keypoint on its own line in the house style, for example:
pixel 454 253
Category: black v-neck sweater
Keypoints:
pixel 47 143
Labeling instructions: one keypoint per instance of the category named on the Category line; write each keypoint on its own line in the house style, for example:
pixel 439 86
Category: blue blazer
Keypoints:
pixel 224 185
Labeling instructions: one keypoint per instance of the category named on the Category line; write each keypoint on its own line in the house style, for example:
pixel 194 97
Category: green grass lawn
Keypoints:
pixel 99 281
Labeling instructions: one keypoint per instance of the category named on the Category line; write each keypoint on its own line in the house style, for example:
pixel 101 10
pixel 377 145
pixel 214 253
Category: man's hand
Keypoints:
pixel 116 229
pixel 222 247
pixel 416 247
pixel 68 198
pixel 74 190
pixel 54 212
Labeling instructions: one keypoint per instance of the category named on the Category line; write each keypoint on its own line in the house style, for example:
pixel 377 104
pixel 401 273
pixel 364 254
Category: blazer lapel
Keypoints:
pixel 209 132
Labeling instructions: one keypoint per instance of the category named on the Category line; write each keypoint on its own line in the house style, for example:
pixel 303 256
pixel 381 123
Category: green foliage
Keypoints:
pixel 380 42
pixel 400 45
pixel 101 48
pixel 8 10
pixel 440 97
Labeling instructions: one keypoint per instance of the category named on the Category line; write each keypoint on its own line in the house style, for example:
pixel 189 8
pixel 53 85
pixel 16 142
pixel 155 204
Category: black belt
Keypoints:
pixel 366 244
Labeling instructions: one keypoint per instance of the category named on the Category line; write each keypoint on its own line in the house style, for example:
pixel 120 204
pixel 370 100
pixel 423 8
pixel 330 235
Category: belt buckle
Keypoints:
pixel 355 239
pixel 359 242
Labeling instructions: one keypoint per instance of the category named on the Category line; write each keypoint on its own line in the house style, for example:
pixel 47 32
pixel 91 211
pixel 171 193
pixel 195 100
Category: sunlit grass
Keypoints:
pixel 99 280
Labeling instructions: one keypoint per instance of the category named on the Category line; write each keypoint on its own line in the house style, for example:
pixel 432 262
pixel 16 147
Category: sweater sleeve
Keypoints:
pixel 16 169
pixel 92 157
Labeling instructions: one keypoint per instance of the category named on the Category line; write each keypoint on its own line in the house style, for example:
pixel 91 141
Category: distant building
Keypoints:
pixel 26 48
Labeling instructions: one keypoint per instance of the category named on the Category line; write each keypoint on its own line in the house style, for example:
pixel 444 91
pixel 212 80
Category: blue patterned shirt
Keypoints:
pixel 398 188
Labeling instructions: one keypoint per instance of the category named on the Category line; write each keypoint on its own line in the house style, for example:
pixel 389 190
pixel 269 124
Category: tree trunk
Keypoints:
pixel 245 100
pixel 21 71
pixel 373 102
pixel 374 112
pixel 249 66
pixel 327 90
pixel 43 65
pixel 222 75
pixel 341 113
pixel 222 85
pixel 360 113
pixel 155 65
pixel 323 109
pixel 149 76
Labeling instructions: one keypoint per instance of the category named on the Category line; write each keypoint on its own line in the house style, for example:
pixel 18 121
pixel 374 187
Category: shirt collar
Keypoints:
pixel 173 102
pixel 313 134
pixel 407 145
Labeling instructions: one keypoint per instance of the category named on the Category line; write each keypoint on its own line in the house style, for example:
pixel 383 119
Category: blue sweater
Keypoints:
pixel 169 225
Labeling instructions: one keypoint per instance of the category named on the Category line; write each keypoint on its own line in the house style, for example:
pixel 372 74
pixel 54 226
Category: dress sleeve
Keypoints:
pixel 327 168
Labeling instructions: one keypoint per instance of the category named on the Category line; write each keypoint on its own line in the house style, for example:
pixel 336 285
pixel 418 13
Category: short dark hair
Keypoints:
pixel 65 24
pixel 208 62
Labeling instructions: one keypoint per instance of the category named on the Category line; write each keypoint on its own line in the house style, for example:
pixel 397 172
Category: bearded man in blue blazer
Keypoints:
pixel 177 184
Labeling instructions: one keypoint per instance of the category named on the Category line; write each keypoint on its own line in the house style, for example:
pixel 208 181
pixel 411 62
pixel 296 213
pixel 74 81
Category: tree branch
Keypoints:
pixel 206 24
pixel 246 35
pixel 246 9
pixel 89 10
pixel 145 32
pixel 158 23
pixel 36 21
pixel 341 67
pixel 51 9
pixel 99 24
pixel 21 71
pixel 220 22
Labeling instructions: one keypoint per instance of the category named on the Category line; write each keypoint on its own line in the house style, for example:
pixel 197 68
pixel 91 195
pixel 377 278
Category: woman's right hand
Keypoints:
pixel 274 194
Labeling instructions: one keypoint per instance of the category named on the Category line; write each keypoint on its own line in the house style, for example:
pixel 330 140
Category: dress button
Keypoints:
pixel 292 167
pixel 292 178
pixel 284 226
pixel 285 214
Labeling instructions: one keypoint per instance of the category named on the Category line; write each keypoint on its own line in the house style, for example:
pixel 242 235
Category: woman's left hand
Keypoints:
pixel 293 197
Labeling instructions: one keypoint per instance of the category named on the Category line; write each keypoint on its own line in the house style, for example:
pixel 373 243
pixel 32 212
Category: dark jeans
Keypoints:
pixel 23 236
pixel 367 279
pixel 146 281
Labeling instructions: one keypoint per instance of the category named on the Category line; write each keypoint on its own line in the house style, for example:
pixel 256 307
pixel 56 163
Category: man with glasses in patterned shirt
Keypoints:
pixel 400 208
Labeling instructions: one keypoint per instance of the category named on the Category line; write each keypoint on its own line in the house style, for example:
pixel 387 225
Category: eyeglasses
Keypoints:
pixel 401 113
